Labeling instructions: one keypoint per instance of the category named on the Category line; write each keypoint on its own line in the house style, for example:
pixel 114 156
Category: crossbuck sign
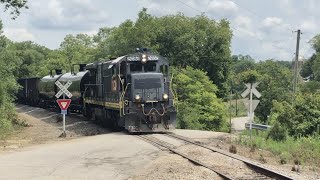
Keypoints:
pixel 63 103
pixel 63 89
pixel 251 104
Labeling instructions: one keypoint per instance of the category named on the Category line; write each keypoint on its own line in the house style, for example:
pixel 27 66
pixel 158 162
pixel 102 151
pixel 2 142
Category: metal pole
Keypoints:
pixel 296 67
pixel 230 108
pixel 64 120
pixel 250 113
pixel 236 104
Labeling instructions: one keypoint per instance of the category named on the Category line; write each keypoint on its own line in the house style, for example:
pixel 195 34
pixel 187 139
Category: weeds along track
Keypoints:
pixel 226 165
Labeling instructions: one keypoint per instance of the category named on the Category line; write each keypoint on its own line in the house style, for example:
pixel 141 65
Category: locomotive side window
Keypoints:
pixel 164 69
pixel 150 67
pixel 135 67
pixel 107 73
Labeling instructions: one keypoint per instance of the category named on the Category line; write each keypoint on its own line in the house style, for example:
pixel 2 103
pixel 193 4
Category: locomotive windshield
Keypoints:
pixel 135 67
pixel 138 67
pixel 149 67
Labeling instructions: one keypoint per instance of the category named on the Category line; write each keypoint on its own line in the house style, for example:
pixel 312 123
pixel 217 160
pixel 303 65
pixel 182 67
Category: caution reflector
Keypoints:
pixel 64 103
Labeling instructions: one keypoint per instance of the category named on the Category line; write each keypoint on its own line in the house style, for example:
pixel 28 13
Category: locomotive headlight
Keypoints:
pixel 144 58
pixel 137 97
pixel 165 96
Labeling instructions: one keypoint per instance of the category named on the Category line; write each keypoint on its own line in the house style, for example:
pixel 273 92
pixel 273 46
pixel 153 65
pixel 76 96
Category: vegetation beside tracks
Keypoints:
pixel 301 150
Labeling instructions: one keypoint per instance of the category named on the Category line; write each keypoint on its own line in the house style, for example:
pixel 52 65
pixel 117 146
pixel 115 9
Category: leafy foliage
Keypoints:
pixel 250 76
pixel 277 133
pixel 310 87
pixel 15 5
pixel 198 105
pixel 302 119
pixel 8 87
pixel 275 85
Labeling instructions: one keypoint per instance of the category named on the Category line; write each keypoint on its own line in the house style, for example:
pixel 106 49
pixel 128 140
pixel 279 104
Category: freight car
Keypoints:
pixel 29 93
pixel 132 92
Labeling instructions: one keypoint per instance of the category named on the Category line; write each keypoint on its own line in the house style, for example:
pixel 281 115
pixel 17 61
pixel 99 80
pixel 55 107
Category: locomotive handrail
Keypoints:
pixel 172 91
pixel 122 97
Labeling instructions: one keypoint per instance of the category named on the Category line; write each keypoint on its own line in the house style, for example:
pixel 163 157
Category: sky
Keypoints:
pixel 261 29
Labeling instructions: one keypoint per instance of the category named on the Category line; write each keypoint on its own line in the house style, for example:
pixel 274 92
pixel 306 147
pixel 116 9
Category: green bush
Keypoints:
pixel 250 76
pixel 198 105
pixel 277 133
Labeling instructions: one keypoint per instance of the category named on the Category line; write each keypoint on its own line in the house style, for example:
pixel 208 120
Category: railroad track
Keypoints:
pixel 258 171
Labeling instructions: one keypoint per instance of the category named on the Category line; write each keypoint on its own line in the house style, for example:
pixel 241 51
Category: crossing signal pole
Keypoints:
pixel 296 62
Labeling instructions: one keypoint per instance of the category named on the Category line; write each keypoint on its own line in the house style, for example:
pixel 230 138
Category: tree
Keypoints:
pixel 9 65
pixel 15 6
pixel 306 70
pixel 77 49
pixel 310 87
pixel 30 56
pixel 198 105
pixel 302 119
pixel 242 63
pixel 276 84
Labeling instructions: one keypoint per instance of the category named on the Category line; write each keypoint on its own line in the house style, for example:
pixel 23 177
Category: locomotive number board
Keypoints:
pixel 138 58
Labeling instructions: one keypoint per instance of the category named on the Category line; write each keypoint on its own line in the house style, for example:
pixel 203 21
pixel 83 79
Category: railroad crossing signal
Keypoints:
pixel 254 90
pixel 63 103
pixel 251 104
pixel 246 103
pixel 63 89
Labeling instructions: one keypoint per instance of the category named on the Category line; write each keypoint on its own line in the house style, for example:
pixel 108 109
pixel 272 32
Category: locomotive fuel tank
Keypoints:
pixel 48 89
pixel 77 88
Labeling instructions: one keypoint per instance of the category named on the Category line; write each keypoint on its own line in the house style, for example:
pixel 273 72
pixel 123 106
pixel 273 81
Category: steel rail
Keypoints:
pixel 256 167
pixel 195 161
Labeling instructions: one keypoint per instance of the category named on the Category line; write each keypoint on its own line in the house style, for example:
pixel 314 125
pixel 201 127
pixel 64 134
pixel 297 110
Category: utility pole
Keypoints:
pixel 296 67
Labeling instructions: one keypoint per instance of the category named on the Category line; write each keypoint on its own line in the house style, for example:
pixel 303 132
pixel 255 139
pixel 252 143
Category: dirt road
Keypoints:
pixel 109 156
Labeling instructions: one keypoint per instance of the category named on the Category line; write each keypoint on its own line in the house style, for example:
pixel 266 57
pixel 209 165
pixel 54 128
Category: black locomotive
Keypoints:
pixel 131 91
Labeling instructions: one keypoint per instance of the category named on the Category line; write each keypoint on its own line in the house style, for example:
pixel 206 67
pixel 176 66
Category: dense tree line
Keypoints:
pixel 8 70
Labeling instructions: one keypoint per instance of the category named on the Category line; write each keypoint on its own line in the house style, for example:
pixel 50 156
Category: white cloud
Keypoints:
pixel 309 25
pixel 243 21
pixel 19 34
pixel 71 14
pixel 162 8
pixel 271 21
pixel 222 5
pixel 273 51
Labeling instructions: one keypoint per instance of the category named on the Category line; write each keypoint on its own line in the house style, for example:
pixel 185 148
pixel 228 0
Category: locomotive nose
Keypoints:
pixel 149 87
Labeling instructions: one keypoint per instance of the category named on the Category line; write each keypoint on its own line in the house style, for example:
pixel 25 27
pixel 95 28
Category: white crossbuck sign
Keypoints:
pixel 254 90
pixel 63 89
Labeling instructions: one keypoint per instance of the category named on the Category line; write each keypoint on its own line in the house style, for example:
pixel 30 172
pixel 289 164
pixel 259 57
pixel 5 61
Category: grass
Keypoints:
pixel 305 150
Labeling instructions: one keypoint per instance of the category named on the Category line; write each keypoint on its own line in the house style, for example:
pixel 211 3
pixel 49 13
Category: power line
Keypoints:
pixel 233 28
pixel 190 6
pixel 261 17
